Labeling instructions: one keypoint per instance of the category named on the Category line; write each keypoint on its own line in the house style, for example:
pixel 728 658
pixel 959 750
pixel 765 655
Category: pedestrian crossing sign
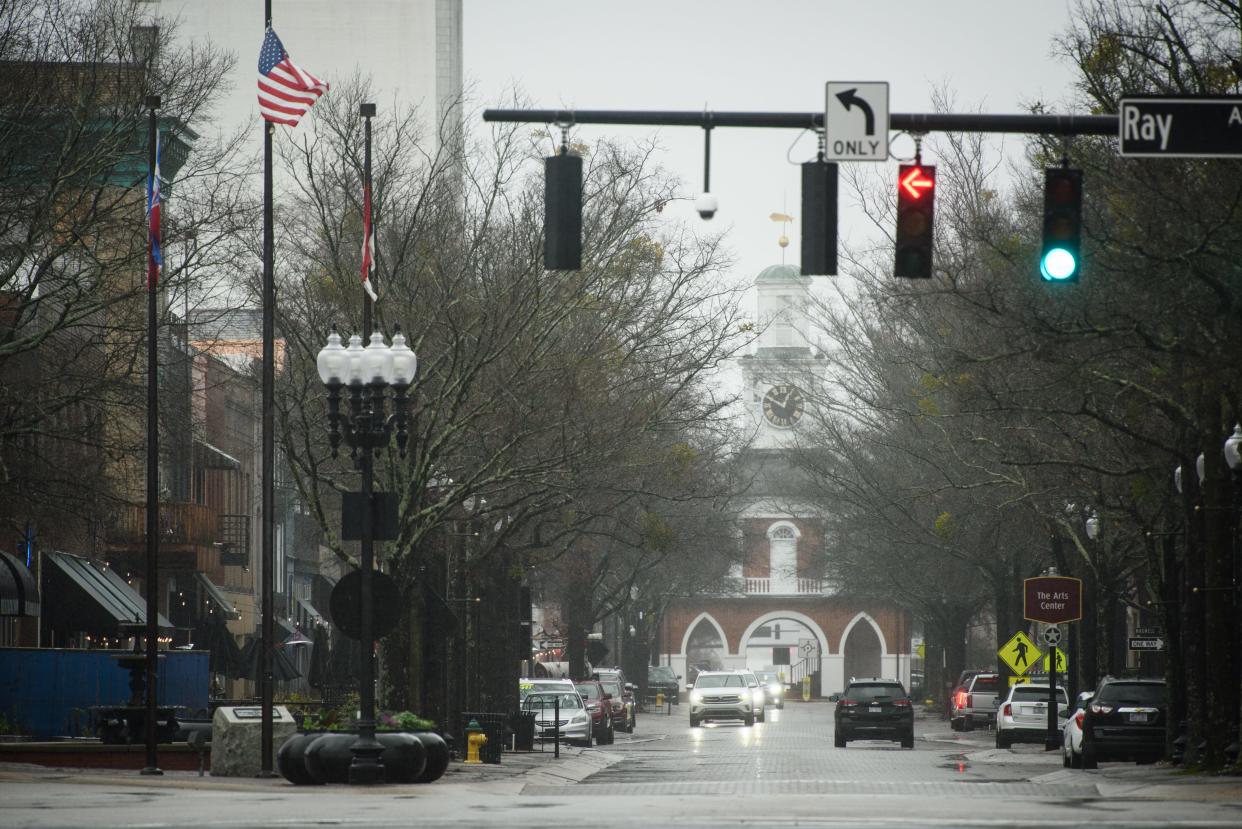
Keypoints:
pixel 1020 653
pixel 1061 664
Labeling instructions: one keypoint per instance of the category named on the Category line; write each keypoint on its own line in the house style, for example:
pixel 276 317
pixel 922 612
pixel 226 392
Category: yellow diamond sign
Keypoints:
pixel 1060 654
pixel 1020 653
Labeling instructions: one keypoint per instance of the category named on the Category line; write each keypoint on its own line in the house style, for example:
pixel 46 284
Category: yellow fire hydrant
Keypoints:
pixel 475 740
pixel 659 699
pixel 806 689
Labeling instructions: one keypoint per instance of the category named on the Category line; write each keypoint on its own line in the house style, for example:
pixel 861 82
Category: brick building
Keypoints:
pixel 781 611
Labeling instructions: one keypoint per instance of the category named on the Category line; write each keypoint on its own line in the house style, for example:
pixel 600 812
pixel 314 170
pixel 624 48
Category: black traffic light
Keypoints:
pixel 562 206
pixel 819 218
pixel 1060 257
pixel 916 207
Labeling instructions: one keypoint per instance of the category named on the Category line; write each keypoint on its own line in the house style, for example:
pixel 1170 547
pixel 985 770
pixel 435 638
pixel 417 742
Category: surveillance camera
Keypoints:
pixel 706 205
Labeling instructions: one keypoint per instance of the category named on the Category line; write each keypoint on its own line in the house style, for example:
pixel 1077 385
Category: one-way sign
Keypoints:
pixel 1137 644
pixel 1185 127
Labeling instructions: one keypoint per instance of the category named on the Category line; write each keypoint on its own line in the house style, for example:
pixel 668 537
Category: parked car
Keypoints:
pixel 628 690
pixel 623 717
pixel 662 678
pixel 599 704
pixel 721 695
pixel 775 687
pixel 526 685
pixel 1125 720
pixel 759 693
pixel 1071 732
pixel 874 709
pixel 575 721
pixel 1023 716
pixel 975 702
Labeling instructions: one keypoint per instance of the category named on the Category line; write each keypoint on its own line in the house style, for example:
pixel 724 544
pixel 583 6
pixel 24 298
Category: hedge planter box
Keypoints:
pixel 312 758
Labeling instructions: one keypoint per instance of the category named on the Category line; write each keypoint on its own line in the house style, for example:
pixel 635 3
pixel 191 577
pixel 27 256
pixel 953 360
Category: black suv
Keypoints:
pixel 874 709
pixel 662 678
pixel 1124 720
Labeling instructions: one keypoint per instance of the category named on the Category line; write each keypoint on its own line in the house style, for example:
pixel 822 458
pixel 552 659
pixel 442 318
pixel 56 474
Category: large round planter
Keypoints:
pixel 291 759
pixel 328 757
pixel 404 756
pixel 437 756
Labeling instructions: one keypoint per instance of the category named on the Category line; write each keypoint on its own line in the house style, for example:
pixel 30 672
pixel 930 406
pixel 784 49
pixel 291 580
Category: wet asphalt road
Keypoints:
pixel 781 773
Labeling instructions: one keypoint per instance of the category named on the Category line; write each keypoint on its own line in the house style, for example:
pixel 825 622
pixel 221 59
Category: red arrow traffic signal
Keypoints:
pixel 916 204
pixel 915 181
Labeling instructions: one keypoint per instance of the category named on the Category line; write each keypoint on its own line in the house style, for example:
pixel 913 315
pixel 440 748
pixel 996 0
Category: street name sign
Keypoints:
pixel 1052 599
pixel 1181 127
pixel 1020 653
pixel 1152 644
pixel 856 121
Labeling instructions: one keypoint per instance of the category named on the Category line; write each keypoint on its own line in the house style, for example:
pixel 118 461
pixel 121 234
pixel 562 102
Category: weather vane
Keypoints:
pixel 783 241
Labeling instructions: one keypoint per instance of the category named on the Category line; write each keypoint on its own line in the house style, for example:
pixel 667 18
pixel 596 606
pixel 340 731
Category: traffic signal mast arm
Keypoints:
pixel 917 122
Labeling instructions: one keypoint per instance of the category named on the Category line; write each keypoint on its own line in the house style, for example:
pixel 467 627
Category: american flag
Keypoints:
pixel 154 257
pixel 368 242
pixel 286 93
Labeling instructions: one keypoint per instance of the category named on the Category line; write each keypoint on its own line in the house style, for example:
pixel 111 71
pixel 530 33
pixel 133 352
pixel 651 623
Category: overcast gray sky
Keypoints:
pixel 995 55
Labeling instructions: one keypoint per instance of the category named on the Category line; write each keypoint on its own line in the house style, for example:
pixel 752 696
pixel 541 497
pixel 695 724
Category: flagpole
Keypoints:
pixel 367 111
pixel 267 473
pixel 153 460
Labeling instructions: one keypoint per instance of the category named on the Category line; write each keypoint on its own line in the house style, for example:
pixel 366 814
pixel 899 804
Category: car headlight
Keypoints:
pixel 757 695
pixel 774 689
pixel 696 697
pixel 578 718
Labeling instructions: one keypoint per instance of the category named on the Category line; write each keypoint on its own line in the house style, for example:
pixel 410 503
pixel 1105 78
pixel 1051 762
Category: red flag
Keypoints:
pixel 368 242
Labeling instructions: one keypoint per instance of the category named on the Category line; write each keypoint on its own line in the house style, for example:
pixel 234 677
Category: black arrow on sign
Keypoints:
pixel 848 99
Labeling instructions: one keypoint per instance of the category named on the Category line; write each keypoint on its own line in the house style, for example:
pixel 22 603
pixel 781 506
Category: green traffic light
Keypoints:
pixel 1058 265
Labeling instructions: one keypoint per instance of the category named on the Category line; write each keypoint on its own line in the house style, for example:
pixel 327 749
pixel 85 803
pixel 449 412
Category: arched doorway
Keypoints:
pixel 862 650
pixel 705 649
pixel 788 643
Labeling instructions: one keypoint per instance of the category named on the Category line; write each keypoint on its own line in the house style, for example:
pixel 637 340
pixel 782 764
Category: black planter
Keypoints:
pixel 327 757
pixel 437 756
pixel 291 759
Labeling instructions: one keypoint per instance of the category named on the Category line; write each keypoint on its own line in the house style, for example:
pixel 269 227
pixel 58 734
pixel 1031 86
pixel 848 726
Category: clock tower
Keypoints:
pixel 776 374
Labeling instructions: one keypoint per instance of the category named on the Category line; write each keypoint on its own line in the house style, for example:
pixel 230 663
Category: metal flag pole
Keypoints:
pixel 267 473
pixel 153 462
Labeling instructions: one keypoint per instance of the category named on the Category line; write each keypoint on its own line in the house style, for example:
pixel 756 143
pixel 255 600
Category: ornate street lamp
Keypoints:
pixel 368 374
pixel 1093 526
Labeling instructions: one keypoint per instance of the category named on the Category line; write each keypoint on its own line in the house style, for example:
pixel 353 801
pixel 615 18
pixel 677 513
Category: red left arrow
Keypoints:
pixel 915 182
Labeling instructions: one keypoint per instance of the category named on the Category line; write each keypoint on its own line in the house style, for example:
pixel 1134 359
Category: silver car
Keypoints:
pixel 574 719
pixel 721 695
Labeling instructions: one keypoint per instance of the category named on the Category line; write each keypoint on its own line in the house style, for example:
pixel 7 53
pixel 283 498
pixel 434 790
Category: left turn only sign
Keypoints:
pixel 856 121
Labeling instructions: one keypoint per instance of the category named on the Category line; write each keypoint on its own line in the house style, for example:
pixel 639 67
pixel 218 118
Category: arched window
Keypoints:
pixel 783 558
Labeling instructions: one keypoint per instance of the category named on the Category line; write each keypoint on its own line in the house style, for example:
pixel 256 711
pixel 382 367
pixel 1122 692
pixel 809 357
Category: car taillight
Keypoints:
pixel 847 702
pixel 902 703
pixel 1007 710
pixel 959 700
pixel 1078 718
pixel 1100 708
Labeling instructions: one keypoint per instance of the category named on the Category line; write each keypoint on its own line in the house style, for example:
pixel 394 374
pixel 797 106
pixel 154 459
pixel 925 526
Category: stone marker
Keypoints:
pixel 236 738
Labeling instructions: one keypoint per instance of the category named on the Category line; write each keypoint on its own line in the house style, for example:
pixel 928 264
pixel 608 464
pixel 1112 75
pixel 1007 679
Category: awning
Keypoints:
pixel 216 596
pixel 19 595
pixel 90 598
pixel 213 457
pixel 312 615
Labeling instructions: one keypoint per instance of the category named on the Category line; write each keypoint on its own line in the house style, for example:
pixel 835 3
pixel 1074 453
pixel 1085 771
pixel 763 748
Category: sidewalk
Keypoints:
pixel 542 767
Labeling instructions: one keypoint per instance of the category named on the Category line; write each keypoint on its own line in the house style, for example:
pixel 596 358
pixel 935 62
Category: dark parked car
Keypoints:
pixel 662 678
pixel 623 718
pixel 1125 720
pixel 599 704
pixel 874 709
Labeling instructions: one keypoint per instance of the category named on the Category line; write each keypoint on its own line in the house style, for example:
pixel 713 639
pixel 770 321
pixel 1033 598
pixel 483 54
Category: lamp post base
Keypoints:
pixel 366 768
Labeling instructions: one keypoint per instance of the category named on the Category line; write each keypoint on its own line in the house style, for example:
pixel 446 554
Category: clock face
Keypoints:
pixel 783 405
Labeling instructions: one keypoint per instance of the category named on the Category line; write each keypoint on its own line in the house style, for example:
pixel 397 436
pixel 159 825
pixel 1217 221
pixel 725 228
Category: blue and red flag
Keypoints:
pixel 154 256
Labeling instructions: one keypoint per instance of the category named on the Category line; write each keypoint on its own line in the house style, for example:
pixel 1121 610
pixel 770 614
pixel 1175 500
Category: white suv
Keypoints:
pixel 1024 715
pixel 721 695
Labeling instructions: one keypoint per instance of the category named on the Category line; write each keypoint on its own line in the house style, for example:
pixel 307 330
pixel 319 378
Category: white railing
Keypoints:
pixel 801 587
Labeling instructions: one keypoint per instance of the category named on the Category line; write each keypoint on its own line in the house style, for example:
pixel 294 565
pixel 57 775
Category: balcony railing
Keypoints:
pixel 188 524
pixel 801 587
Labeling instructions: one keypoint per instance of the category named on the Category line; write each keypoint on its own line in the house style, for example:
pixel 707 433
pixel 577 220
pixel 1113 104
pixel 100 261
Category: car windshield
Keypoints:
pixel 611 687
pixel 1029 693
pixel 1137 693
pixel 588 691
pixel 752 680
pixel 719 681
pixel 869 693
pixel 766 676
pixel 661 672
pixel 543 700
